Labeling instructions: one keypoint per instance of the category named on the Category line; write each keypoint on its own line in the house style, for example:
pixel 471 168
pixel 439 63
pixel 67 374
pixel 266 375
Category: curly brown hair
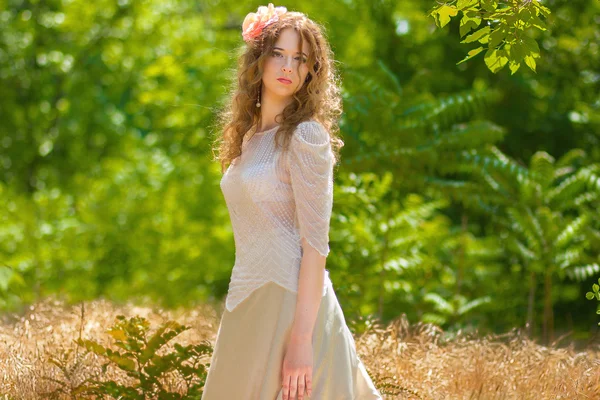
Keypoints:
pixel 319 99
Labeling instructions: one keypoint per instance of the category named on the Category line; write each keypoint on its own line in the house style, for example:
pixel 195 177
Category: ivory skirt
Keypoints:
pixel 247 359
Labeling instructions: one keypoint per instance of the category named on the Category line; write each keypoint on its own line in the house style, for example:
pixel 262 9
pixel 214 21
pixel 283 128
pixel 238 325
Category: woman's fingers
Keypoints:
pixel 293 386
pixel 286 387
pixel 301 386
pixel 290 385
pixel 308 380
pixel 296 385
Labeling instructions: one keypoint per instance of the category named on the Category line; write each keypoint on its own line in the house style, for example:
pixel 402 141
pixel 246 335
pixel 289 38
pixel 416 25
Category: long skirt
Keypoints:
pixel 250 347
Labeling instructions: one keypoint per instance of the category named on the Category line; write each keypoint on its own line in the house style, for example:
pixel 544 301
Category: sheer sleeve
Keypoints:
pixel 310 164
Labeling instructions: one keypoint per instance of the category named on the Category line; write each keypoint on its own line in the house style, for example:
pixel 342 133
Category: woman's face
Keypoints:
pixel 286 62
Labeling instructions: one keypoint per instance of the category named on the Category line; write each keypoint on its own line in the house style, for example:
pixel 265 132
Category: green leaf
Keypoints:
pixel 443 14
pixel 477 35
pixel 471 54
pixel 463 4
pixel 531 46
pixel 467 23
pixel 595 287
pixel 525 15
pixel 544 10
pixel 514 66
pixel 121 360
pixel 589 295
pixel 117 334
pixel 495 59
pixel 489 5
pixel 92 346
pixel 497 36
pixel 538 23
pixel 518 52
pixel 530 61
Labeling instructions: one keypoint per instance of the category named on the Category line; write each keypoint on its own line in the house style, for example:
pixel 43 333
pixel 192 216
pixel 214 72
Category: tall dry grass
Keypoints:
pixel 414 361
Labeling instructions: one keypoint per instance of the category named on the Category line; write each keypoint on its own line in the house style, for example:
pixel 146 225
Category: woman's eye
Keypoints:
pixel 276 54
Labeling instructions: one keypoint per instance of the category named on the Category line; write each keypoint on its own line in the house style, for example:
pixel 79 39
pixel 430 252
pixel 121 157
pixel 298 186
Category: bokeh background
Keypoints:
pixel 465 198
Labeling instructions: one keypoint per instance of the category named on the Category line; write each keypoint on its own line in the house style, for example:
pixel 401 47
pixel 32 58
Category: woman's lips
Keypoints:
pixel 284 81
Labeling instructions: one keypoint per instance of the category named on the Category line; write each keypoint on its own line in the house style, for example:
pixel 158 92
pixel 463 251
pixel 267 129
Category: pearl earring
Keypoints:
pixel 258 100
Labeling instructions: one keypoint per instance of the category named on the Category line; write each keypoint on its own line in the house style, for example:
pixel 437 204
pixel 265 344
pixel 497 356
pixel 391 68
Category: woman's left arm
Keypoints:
pixel 310 291
pixel 311 173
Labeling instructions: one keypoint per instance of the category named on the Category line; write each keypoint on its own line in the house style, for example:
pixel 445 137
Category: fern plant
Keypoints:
pixel 546 210
pixel 415 136
pixel 413 133
pixel 453 309
pixel 69 365
pixel 138 357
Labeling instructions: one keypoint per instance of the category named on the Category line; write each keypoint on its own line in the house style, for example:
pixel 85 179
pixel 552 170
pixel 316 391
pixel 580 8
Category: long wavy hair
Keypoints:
pixel 318 99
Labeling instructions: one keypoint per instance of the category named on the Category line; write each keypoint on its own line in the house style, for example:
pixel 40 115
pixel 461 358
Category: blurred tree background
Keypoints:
pixel 465 197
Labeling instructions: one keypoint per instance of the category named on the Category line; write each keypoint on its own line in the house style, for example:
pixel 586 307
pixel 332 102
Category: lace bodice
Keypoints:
pixel 275 198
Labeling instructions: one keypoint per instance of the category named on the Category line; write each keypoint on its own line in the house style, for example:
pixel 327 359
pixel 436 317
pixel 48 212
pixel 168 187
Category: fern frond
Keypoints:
pixel 583 272
pixel 465 136
pixel 566 190
pixel 571 256
pixel 443 112
pixel 542 168
pixel 586 198
pixel 497 161
pixel 573 229
pixel 473 304
pixel 574 157
pixel 418 212
pixel 521 222
pixel 439 303
pixel 469 194
pixel 591 175
pixel 522 250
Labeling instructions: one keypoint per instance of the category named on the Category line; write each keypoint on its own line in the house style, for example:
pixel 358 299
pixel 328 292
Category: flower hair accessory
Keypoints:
pixel 254 23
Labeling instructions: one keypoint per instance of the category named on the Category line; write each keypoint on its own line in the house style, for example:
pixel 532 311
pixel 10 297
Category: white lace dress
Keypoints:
pixel 274 199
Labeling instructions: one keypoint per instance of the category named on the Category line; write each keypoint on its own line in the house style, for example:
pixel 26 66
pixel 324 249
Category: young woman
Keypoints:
pixel 283 335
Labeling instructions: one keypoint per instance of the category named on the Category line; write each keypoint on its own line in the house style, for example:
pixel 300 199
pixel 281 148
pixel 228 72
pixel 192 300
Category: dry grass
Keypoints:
pixel 414 358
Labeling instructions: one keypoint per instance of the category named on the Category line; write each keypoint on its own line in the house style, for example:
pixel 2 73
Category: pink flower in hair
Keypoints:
pixel 254 23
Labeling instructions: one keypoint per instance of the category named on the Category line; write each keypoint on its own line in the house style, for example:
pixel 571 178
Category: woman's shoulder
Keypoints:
pixel 311 132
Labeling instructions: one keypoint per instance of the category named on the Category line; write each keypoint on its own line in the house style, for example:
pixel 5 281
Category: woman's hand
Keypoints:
pixel 297 368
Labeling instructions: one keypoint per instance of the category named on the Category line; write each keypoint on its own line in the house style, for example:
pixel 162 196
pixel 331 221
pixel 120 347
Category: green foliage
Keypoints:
pixel 69 365
pixel 454 309
pixel 548 236
pixel 541 207
pixel 421 132
pixel 108 185
pixel 406 251
pixel 504 34
pixel 594 294
pixel 139 359
pixel 111 191
pixel 543 211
